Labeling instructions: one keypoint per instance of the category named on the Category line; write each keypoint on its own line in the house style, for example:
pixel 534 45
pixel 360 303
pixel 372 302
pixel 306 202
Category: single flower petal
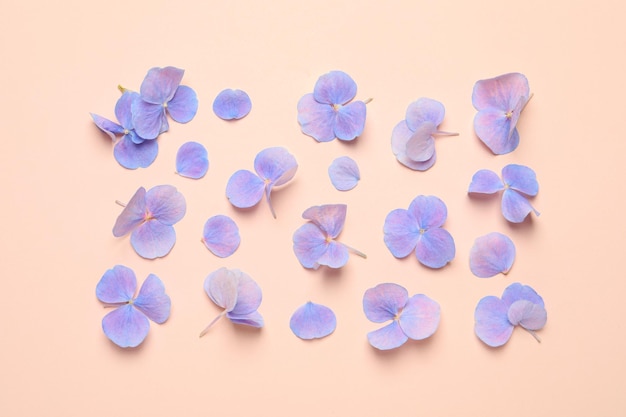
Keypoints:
pixel 527 314
pixel 492 254
pixel 123 109
pixel 153 239
pixel 152 300
pixel 400 136
pixel 421 146
pixel 329 217
pixel 420 317
pixel 160 84
pixel 253 319
pixel 494 129
pixel 389 337
pixel 515 207
pixel 276 165
pixel 521 178
pixel 184 105
pixel 132 215
pixel 192 160
pixel 149 119
pixel 126 326
pixel 492 325
pixel 344 173
pixel 401 233
pixel 249 294
pixel 131 155
pixel 485 182
pixel 429 211
pixel 350 120
pixel 384 302
pixel 424 110
pixel 435 248
pixel 309 244
pixel 222 287
pixel 517 291
pixel 335 87
pixel 166 203
pixel 244 189
pixel 502 92
pixel 117 285
pixel 313 321
pixel 335 256
pixel 316 119
pixel 107 126
pixel 221 236
pixel 232 104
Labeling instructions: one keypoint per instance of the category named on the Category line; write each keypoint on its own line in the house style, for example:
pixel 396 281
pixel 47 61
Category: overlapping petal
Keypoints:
pixel 501 92
pixel 429 211
pixel 424 110
pixel 492 254
pixel 400 136
pixel 132 215
pixel 492 325
pixel 330 218
pixel 160 84
pixel 221 236
pixel 344 173
pixel 495 129
pixel 166 203
pixel 107 126
pixel 527 314
pixel 232 104
pixel 515 207
pixel 192 160
pixel 313 321
pixel 222 288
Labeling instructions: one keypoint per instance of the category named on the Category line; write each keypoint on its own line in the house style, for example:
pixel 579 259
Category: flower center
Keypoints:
pixel 422 231
pixel 336 107
pixel 509 114
pixel 148 216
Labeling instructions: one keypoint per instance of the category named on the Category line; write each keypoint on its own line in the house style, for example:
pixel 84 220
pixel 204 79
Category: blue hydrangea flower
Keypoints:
pixel 232 104
pixel 329 113
pixel 419 230
pixel 518 183
pixel 313 321
pixel 495 318
pixel 128 324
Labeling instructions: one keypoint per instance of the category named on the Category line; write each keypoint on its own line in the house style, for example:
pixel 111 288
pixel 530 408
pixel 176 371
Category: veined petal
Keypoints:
pixel 253 319
pixel 429 211
pixel 501 92
pixel 435 248
pixel 153 239
pixel 160 84
pixel 131 155
pixel 107 126
pixel 192 160
pixel 249 294
pixel 313 321
pixel 123 109
pixel 492 325
pixel 517 291
pixel 166 203
pixel 232 104
pixel 420 317
pixel 126 326
pixel 515 207
pixel 401 233
pixel 309 244
pixel 132 215
pixel 521 178
pixel 316 119
pixel 117 285
pixel 389 337
pixel 335 256
pixel 222 288
pixel 221 236
pixel 276 165
pixel 492 254
pixel 424 110
pixel 152 300
pixel 421 146
pixel 493 128
pixel 527 314
pixel 344 173
pixel 350 120
pixel 149 119
pixel 329 217
pixel 335 87
pixel 485 182
pixel 399 139
pixel 184 105
pixel 244 189
pixel 384 302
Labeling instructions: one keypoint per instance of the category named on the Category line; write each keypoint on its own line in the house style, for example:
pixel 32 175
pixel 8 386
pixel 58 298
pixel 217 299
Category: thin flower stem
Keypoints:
pixel 356 251
pixel 206 329
pixel 119 203
pixel 532 332
pixel 443 133
pixel 368 100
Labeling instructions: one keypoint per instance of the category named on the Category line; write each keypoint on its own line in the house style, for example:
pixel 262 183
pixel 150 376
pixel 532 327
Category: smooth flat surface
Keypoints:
pixel 60 182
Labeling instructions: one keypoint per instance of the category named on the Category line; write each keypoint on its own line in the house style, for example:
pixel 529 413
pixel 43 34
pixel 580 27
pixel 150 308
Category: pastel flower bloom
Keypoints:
pixel 500 102
pixel 313 321
pixel 221 236
pixel 413 318
pixel 150 217
pixel 314 243
pixel 238 294
pixel 273 166
pixel 192 160
pixel 496 318
pixel 518 183
pixel 161 94
pixel 344 173
pixel 413 139
pixel 328 112
pixel 492 254
pixel 419 229
pixel 232 104
pixel 128 324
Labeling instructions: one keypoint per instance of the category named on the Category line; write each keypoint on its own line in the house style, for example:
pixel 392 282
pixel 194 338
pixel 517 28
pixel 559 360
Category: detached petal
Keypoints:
pixel 521 178
pixel 384 302
pixel 316 119
pixel 502 92
pixel 420 317
pixel 192 160
pixel 527 314
pixel 344 173
pixel 492 254
pixel 350 120
pixel 389 337
pixel 492 325
pixel 309 244
pixel 424 110
pixel 401 233
pixel 221 236
pixel 313 321
pixel 421 146
pixel 515 207
pixel 133 155
pixel 335 87
pixel 244 189
pixel 222 288
pixel 153 239
pixel 117 285
pixel 166 203
pixel 152 300
pixel 249 294
pixel 184 105
pixel 126 326
pixel 276 165
pixel 160 84
pixel 133 214
pixel 485 182
pixel 399 139
pixel 429 211
pixel 232 104
pixel 493 128
pixel 435 248
pixel 329 217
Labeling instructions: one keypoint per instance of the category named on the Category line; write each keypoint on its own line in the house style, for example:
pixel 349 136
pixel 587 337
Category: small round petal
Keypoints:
pixel 424 110
pixel 429 211
pixel 126 326
pixel 494 129
pixel 335 87
pixel 384 302
pixel 401 233
pixel 313 321
pixel 166 204
pixel 153 239
pixel 222 287
pixel 344 173
pixel 184 105
pixel 521 178
pixel 501 92
pixel 316 119
pixel 244 189
pixel 123 109
pixel 420 317
pixel 249 295
pixel 485 182
pixel 132 215
pixel 131 155
pixel 421 146
pixel 492 254
pixel 335 256
pixel 152 300
pixel 221 236
pixel 107 126
pixel 276 165
pixel 517 291
pixel 232 104
pixel 253 319
pixel 309 244
pixel 192 160
pixel 389 337
pixel 350 120
pixel 515 207
pixel 492 325
pixel 149 119
pixel 117 285
pixel 160 84
pixel 527 314
pixel 399 139
pixel 435 248
pixel 328 217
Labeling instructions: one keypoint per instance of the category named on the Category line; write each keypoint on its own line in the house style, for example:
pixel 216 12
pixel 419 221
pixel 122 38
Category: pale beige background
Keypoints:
pixel 59 183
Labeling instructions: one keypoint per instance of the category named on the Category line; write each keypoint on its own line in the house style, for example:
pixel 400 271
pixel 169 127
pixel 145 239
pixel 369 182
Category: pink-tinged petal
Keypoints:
pixel 517 291
pixel 521 178
pixel 492 325
pixel 515 207
pixel 123 109
pixel 309 244
pixel 149 119
pixel 249 294
pixel 153 239
pixel 401 233
pixel 493 128
pixel 316 119
pixel 132 215
pixel 492 254
pixel 420 317
pixel 244 189
pixel 389 337
pixel 435 248
pixel 313 321
pixel 253 319
pixel 344 173
pixel 276 165
pixel 384 302
pixel 222 288
pixel 335 256
pixel 335 87
pixel 421 146
pixel 160 84
pixel 485 182
pixel 184 105
pixel 429 211
pixel 350 120
pixel 502 92
pixel 166 203
pixel 131 155
pixel 126 326
pixel 527 314
pixel 107 126
pixel 329 217
pixel 399 138
pixel 232 104
pixel 117 285
pixel 424 110
pixel 152 300
pixel 192 160
pixel 221 236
